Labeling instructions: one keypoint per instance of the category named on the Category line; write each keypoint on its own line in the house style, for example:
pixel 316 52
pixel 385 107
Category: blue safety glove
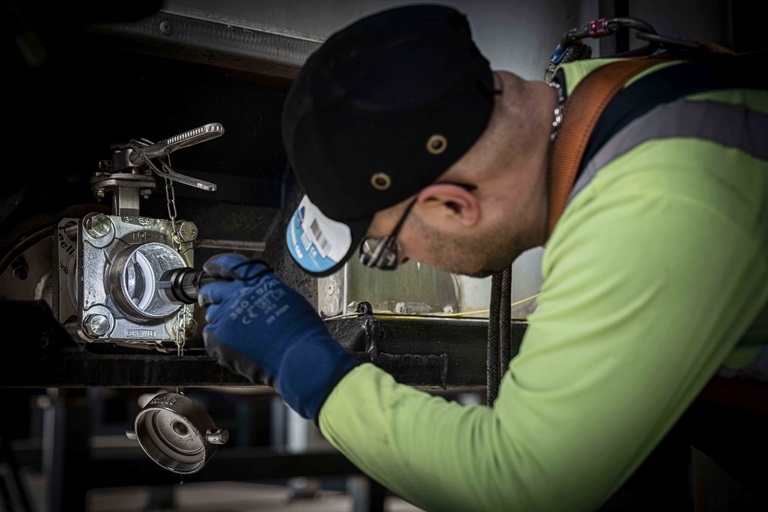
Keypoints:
pixel 257 322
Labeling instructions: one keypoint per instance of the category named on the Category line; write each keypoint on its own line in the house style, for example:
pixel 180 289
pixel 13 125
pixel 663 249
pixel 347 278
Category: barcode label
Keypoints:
pixel 321 242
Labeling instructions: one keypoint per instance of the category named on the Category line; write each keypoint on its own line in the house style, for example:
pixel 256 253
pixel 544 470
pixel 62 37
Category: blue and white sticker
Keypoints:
pixel 316 242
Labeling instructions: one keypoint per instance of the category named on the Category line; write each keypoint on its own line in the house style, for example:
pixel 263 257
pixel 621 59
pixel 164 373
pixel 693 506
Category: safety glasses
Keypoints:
pixel 384 253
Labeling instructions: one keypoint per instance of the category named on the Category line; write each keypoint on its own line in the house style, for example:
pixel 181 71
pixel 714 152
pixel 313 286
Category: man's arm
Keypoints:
pixel 650 279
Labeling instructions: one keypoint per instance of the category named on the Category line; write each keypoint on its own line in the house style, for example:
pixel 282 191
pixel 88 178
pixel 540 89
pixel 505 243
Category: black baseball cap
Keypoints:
pixel 379 111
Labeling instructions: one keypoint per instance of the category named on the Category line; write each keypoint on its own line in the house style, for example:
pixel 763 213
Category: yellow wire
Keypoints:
pixel 462 313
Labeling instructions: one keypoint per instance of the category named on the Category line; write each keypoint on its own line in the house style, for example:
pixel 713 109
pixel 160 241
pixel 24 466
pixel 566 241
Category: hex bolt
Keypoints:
pixel 97 225
pixel 187 231
pixel 191 329
pixel 96 325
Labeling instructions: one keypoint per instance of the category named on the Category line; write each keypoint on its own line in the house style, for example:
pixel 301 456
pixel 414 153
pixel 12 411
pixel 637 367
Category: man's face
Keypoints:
pixel 474 254
pixel 477 252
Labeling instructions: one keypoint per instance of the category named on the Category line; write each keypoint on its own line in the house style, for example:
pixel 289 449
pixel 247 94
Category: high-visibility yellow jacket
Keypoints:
pixel 652 278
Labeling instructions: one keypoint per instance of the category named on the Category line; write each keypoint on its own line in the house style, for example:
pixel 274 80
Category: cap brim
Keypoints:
pixel 318 244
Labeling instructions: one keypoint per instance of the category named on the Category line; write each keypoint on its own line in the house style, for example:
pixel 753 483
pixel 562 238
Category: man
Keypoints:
pixel 409 147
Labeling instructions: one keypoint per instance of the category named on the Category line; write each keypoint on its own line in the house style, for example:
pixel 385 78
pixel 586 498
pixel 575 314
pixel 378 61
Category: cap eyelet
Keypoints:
pixel 436 144
pixel 381 181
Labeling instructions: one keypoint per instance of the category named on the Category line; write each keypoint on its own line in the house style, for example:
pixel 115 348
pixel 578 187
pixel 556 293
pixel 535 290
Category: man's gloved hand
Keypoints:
pixel 255 321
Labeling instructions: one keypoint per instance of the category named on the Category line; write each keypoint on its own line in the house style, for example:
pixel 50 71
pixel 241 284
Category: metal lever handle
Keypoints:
pixel 182 140
pixel 144 154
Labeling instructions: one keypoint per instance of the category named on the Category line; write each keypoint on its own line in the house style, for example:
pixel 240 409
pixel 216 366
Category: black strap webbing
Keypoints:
pixel 667 85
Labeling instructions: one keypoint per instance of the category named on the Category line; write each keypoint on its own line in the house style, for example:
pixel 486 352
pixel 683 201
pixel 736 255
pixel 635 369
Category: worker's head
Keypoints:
pixel 376 118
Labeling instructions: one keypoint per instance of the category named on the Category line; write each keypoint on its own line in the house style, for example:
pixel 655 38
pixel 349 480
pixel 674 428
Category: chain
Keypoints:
pixel 181 330
pixel 558 112
pixel 170 195
pixel 181 315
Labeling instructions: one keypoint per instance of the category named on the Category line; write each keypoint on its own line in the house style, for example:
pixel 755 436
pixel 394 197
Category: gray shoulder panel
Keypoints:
pixel 736 126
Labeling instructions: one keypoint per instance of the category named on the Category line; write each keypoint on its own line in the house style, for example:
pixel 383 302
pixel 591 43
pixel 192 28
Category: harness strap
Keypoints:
pixel 583 108
pixel 593 115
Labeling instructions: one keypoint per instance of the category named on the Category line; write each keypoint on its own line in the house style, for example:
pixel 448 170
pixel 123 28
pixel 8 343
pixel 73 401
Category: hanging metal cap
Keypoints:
pixel 178 434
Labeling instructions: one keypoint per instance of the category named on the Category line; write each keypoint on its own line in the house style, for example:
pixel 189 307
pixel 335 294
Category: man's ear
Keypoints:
pixel 446 201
